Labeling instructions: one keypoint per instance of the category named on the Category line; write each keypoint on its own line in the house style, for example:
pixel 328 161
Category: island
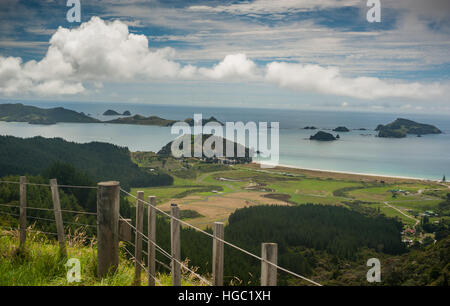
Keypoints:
pixel 310 128
pixel 247 158
pixel 401 127
pixel 322 136
pixel 111 112
pixel 191 122
pixel 35 115
pixel 155 120
pixel 341 129
pixel 142 120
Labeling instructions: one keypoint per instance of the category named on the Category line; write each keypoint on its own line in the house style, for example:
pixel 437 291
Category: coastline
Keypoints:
pixel 334 173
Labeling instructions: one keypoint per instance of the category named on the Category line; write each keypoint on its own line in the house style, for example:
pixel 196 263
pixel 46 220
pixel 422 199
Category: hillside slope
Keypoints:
pixel 101 161
pixel 35 115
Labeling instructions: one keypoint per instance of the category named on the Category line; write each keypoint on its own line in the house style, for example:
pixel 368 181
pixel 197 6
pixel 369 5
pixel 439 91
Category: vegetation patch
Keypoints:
pixel 279 196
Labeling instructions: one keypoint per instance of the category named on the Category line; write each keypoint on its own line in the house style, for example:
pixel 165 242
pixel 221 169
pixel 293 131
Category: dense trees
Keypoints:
pixel 100 161
pixel 40 197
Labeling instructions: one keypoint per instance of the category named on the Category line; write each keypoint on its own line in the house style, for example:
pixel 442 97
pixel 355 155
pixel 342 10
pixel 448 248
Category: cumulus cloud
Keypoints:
pixel 330 81
pixel 96 51
pixel 233 66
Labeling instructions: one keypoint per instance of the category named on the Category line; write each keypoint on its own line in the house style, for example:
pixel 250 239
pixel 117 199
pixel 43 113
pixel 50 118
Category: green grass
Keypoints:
pixel 41 265
pixel 301 189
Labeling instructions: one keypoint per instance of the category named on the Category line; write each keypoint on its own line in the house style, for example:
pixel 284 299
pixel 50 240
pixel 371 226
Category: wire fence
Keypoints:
pixel 137 232
pixel 217 238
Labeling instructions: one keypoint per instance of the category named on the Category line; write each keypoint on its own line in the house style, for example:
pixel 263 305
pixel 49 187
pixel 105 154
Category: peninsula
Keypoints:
pixel 35 115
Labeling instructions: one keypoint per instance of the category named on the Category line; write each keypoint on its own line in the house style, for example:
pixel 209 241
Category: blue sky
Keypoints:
pixel 312 54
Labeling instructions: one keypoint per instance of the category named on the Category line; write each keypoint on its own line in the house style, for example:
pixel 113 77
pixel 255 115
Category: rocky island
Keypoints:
pixel 322 136
pixel 341 129
pixel 401 127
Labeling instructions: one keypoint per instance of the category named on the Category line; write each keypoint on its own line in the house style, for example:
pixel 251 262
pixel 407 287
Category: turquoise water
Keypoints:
pixel 425 157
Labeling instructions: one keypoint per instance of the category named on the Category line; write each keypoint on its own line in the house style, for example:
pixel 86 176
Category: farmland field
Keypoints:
pixel 214 195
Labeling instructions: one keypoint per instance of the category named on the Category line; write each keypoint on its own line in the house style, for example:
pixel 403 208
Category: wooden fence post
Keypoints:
pixel 218 255
pixel 175 245
pixel 125 230
pixel 58 217
pixel 152 238
pixel 138 238
pixel 23 212
pixel 108 198
pixel 269 272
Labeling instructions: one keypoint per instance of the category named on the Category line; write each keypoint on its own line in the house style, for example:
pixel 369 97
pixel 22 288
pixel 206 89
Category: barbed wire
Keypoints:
pixel 50 220
pixel 164 252
pixel 158 261
pixel 224 241
pixel 48 185
pixel 143 267
pixel 50 209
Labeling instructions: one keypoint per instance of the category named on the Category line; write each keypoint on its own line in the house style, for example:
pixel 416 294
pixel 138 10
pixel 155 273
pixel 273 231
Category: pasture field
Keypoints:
pixel 214 192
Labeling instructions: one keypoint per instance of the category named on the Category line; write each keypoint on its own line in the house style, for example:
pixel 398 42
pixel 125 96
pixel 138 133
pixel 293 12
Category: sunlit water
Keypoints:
pixel 357 151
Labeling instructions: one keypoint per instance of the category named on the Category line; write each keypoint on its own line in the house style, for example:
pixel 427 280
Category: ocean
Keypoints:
pixel 357 151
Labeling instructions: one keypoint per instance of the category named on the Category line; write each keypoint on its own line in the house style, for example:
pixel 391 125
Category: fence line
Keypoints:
pixel 46 219
pixel 50 209
pixel 142 266
pixel 228 243
pixel 23 216
pixel 166 254
pixel 267 264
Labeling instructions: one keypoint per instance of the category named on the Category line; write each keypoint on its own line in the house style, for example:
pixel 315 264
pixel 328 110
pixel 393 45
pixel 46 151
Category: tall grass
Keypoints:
pixel 39 263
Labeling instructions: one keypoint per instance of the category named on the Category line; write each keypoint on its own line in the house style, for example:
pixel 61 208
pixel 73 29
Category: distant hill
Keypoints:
pixel 35 115
pixel 401 127
pixel 101 161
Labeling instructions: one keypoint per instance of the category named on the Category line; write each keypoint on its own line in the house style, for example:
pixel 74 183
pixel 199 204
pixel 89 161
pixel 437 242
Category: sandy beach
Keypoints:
pixel 340 174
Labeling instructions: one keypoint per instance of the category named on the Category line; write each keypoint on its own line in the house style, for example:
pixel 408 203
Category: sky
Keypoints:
pixel 300 54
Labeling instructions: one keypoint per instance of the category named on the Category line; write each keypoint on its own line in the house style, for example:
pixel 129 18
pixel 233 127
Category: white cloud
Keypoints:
pixel 233 66
pixel 96 51
pixel 314 78
pixel 100 51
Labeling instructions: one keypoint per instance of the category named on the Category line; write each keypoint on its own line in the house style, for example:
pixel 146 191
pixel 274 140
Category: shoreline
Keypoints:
pixel 331 172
